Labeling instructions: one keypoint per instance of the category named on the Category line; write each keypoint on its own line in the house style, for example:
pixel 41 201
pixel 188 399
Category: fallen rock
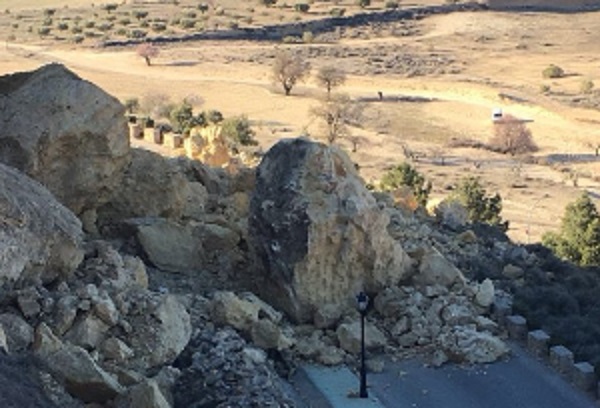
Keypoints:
pixel 88 332
pixel 317 230
pixel 152 186
pixel 162 330
pixel 228 309
pixel 115 349
pixel 19 334
pixel 170 246
pixel 436 269
pixel 58 127
pixel 464 344
pixel 512 272
pixel 265 334
pixel 209 146
pixel 327 316
pixel 485 293
pixel 147 394
pixel 3 342
pixel 39 238
pixel 28 302
pixel 348 335
pixel 74 367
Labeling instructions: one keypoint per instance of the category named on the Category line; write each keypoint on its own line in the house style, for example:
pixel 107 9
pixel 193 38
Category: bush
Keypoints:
pixel 578 239
pixel 512 136
pixel 238 131
pixel 363 3
pixel 391 4
pixel 544 88
pixel 47 22
pixel 337 12
pixel 187 23
pixel 43 31
pixel 139 14
pixel 159 27
pixel 62 26
pixel 586 87
pixel 137 34
pixel 307 37
pixel 131 104
pixel 214 116
pixel 268 3
pixel 182 117
pixel 406 175
pixel 480 207
pixel 302 7
pixel 553 71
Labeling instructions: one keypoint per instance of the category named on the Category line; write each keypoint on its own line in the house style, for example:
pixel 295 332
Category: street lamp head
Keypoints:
pixel 362 300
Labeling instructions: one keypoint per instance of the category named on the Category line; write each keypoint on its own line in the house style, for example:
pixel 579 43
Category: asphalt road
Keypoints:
pixel 520 382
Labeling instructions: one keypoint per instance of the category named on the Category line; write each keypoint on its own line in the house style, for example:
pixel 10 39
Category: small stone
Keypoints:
pixel 331 356
pixel 146 394
pixel 265 334
pixel 327 316
pixel 256 356
pixel 3 342
pixel 512 272
pixel 29 305
pixel 87 333
pixel 19 334
pixel 349 337
pixel 115 349
pixel 65 313
pixel 375 365
pixel 89 291
pixel 106 310
pixel 485 293
pixel 467 237
pixel 85 305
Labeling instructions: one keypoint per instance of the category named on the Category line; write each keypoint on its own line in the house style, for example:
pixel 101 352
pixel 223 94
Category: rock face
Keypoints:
pixel 209 146
pixel 64 132
pixel 318 231
pixel 39 238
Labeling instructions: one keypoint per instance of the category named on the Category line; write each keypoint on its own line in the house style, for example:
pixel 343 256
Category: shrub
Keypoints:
pixel 187 23
pixel 89 24
pixel 238 130
pixel 553 71
pixel 125 21
pixel 302 7
pixel 105 26
pixel 480 207
pixel 182 117
pixel 307 37
pixel 214 116
pixel 49 12
pixel 132 104
pixel 268 3
pixel 512 136
pixel 203 7
pixel 137 34
pixel 62 26
pixel 109 7
pixel 330 77
pixel 578 239
pixel 363 3
pixel 140 14
pixel 406 175
pixel 337 12
pixel 544 88
pixel 391 4
pixel 159 27
pixel 586 87
pixel 43 31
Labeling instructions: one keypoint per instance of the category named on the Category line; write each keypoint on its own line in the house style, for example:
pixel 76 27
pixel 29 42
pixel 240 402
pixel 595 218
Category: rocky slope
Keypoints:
pixel 192 286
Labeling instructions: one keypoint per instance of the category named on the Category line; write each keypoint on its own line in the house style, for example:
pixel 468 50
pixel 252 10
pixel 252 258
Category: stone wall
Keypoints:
pixel 563 5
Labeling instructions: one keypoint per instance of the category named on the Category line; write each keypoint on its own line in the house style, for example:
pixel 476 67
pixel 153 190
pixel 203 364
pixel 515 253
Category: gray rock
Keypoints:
pixel 115 349
pixel 28 302
pixel 265 334
pixel 436 269
pixel 58 127
pixel 19 334
pixel 348 335
pixel 88 332
pixel 65 313
pixel 106 310
pixel 318 231
pixel 170 246
pixel 152 186
pixel 74 367
pixel 146 394
pixel 3 341
pixel 229 309
pixel 161 332
pixel 327 316
pixel 39 238
pixel 485 293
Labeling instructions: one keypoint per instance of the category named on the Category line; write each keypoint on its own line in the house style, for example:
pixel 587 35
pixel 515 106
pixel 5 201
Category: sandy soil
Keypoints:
pixel 499 53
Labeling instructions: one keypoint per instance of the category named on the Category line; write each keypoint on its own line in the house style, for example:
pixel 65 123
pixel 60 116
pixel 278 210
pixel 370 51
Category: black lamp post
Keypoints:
pixel 363 301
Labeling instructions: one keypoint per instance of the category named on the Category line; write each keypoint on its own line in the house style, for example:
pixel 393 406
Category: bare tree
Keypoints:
pixel 147 51
pixel 595 146
pixel 337 114
pixel 289 69
pixel 330 77
pixel 356 141
pixel 512 136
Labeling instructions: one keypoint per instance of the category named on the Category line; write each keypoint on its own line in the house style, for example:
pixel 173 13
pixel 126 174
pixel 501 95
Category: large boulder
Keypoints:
pixel 39 238
pixel 64 132
pixel 318 231
pixel 152 186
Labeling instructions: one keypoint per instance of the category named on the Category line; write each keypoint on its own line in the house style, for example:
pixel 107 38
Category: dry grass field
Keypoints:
pixel 466 65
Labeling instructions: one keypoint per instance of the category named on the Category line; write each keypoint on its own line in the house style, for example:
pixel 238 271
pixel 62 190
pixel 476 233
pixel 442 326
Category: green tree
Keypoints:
pixel 578 239
pixel 239 131
pixel 132 105
pixel 182 118
pixel 480 206
pixel 406 175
